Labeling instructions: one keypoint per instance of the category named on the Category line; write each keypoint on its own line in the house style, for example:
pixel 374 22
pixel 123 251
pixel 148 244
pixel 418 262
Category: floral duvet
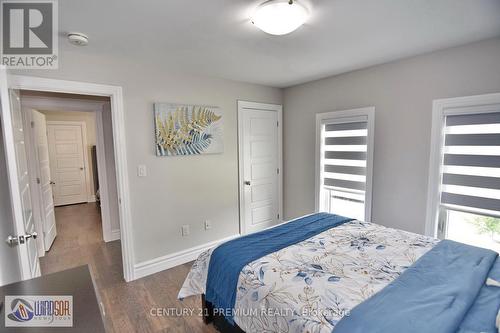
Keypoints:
pixel 311 285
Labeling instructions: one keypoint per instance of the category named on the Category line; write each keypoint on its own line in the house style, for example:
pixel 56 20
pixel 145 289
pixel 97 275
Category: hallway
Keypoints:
pixel 79 241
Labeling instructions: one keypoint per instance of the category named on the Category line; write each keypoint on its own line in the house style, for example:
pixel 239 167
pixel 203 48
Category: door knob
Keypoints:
pixel 246 182
pixel 16 240
pixel 81 168
pixel 52 182
pixel 12 240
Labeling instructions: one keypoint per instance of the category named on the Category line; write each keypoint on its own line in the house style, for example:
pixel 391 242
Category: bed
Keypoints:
pixel 324 273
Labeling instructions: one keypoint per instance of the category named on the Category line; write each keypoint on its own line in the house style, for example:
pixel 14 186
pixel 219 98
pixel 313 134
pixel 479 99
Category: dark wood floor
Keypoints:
pixel 127 305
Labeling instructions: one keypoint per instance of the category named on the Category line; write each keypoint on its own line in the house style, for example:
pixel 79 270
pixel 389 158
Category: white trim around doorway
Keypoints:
pixel 117 112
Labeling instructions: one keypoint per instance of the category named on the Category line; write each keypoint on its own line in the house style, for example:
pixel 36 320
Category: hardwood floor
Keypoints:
pixel 127 305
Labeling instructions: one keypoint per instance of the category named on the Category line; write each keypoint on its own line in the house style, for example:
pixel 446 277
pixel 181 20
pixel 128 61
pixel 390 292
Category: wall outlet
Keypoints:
pixel 142 171
pixel 208 225
pixel 185 230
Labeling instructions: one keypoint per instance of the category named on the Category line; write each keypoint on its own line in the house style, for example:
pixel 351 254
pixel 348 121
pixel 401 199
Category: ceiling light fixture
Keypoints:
pixel 280 17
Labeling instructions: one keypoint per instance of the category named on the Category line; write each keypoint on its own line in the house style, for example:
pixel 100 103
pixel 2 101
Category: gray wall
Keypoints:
pixel 177 190
pixel 402 93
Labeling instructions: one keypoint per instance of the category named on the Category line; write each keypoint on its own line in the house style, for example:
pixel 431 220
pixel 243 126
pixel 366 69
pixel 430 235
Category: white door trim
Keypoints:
pixel 117 112
pixel 348 115
pixel 260 106
pixel 440 109
pixel 83 127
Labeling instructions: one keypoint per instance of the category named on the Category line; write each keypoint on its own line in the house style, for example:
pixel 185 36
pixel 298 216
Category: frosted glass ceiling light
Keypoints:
pixel 279 17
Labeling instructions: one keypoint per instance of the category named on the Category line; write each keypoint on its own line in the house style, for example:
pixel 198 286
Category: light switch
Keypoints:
pixel 142 170
pixel 185 230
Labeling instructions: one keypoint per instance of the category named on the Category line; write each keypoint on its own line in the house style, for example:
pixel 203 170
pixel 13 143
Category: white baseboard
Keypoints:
pixel 111 235
pixel 159 264
pixel 115 234
pixel 92 198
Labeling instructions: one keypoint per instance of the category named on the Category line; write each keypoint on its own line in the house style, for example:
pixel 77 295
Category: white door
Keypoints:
pixel 18 179
pixel 47 201
pixel 67 163
pixel 8 255
pixel 259 141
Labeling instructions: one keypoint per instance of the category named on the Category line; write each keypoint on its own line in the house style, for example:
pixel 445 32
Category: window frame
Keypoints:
pixel 340 116
pixel 440 109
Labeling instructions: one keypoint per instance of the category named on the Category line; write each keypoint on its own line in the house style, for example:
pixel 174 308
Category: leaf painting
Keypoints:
pixel 187 130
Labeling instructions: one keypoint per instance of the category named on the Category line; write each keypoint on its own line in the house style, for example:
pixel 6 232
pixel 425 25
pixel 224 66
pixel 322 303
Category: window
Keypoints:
pixel 466 169
pixel 344 160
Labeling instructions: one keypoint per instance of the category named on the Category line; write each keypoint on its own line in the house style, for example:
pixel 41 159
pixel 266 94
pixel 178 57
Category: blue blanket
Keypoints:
pixel 433 295
pixel 228 259
pixel 481 316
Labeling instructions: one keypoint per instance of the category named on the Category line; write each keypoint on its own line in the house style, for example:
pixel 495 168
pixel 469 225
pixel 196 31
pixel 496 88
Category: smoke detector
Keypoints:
pixel 78 39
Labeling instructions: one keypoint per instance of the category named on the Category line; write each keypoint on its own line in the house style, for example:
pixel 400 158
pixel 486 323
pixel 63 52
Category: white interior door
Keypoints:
pixel 260 161
pixel 67 163
pixel 47 202
pixel 8 255
pixel 18 179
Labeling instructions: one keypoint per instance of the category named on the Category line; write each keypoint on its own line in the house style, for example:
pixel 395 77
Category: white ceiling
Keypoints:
pixel 216 38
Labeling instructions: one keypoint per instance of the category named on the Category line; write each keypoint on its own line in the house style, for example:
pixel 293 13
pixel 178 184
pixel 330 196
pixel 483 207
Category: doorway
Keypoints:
pixel 260 165
pixel 22 238
pixel 64 142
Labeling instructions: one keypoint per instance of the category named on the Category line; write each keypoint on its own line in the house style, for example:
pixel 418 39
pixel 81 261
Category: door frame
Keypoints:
pixel 83 128
pixel 118 122
pixel 242 105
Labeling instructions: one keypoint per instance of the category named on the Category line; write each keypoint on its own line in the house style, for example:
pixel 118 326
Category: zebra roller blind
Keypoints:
pixel 344 166
pixel 471 163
